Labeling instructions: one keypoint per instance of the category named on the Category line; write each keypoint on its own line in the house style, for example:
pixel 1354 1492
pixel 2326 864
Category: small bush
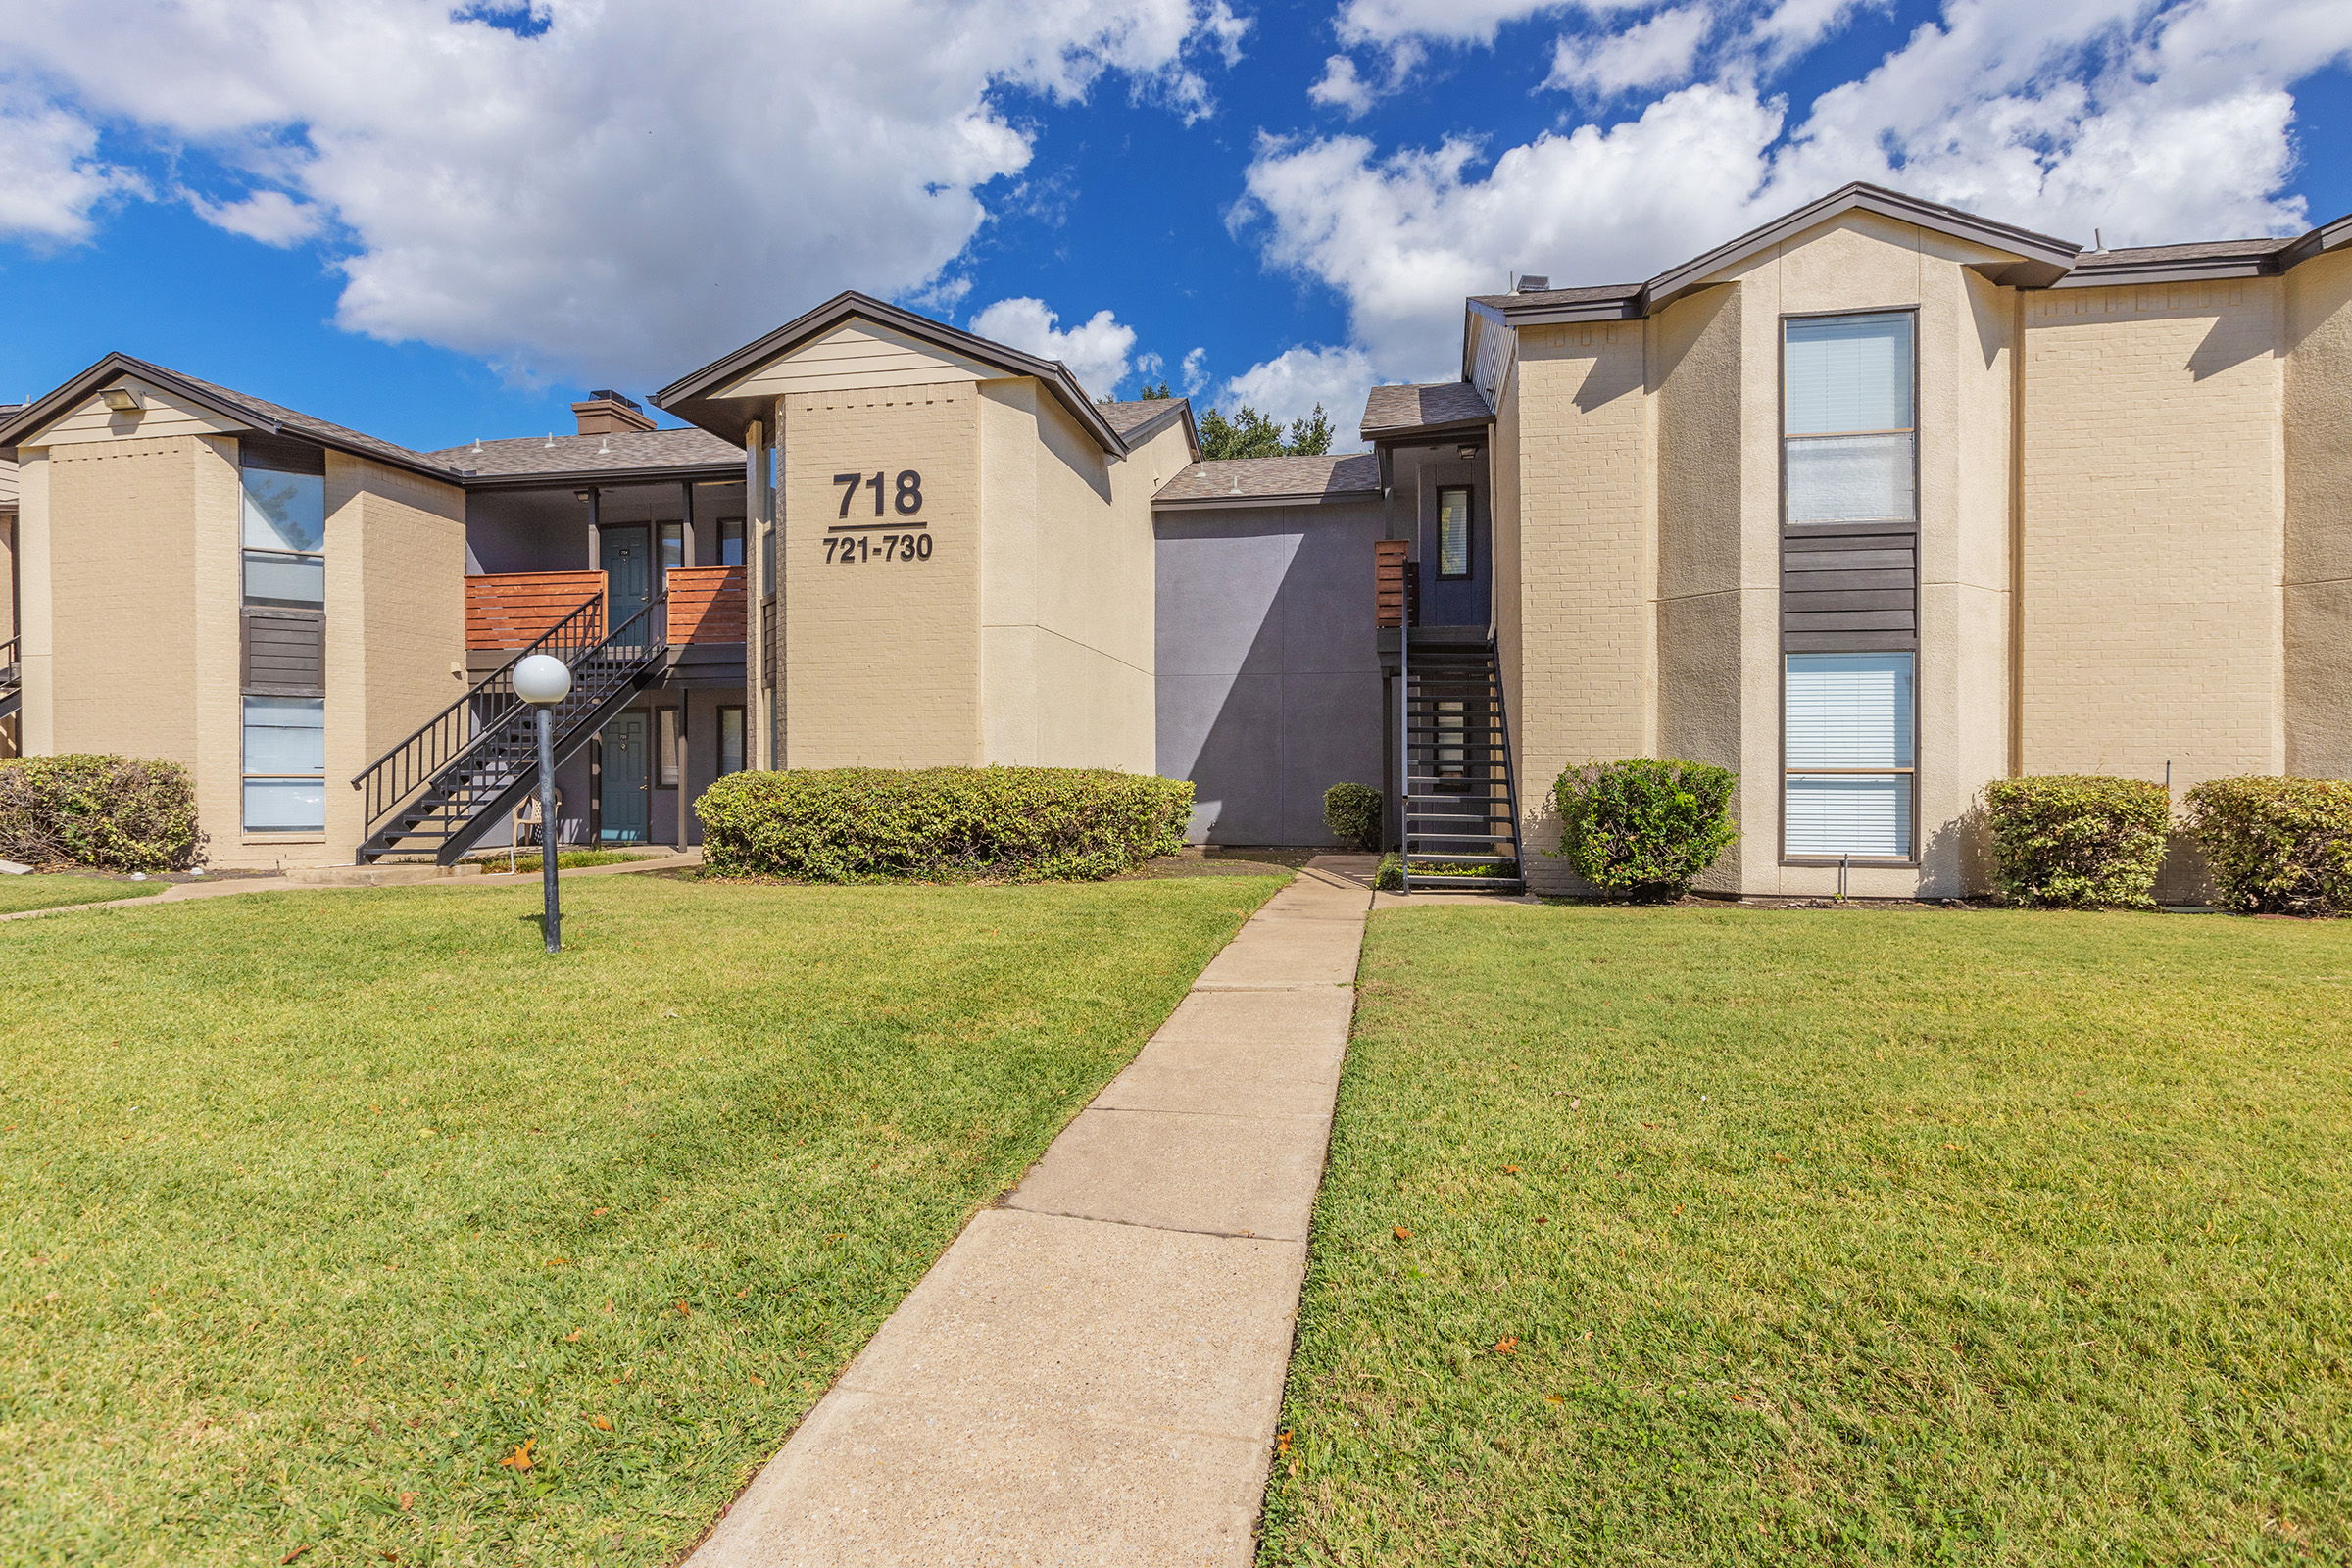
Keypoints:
pixel 1352 813
pixel 1390 876
pixel 2276 845
pixel 116 813
pixel 2077 841
pixel 940 824
pixel 1645 827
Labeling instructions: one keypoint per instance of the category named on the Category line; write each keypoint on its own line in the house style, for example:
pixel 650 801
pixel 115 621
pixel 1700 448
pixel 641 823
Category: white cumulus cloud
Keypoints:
pixel 1294 382
pixel 1658 52
pixel 1094 349
pixel 628 193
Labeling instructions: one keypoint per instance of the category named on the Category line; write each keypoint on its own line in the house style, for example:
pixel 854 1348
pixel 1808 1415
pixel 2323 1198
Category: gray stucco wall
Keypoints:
pixel 1269 675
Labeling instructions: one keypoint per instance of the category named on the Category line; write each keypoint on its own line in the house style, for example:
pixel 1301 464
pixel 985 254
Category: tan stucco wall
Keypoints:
pixel 1066 602
pixel 882 658
pixel 2153 491
pixel 2317 595
pixel 1587 564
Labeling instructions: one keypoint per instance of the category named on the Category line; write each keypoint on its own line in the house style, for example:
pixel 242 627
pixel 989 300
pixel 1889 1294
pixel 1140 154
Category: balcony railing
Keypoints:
pixel 515 609
pixel 1395 585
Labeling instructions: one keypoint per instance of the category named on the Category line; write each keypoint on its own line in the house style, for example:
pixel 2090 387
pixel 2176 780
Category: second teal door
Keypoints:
pixel 622 792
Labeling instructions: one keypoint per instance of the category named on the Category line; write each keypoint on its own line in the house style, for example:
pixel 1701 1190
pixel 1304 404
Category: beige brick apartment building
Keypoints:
pixel 1874 505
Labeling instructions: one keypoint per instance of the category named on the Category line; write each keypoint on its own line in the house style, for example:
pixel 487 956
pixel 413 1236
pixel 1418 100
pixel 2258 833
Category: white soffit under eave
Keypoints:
pixel 161 414
pixel 852 356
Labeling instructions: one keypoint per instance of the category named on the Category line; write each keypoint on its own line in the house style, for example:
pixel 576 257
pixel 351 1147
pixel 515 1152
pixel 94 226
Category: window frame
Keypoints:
pixel 1918 743
pixel 1469 532
pixel 246 777
pixel 743 739
pixel 730 530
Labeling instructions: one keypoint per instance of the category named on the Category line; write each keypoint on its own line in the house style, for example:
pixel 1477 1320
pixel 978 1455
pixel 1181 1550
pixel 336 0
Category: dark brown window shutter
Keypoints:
pixel 285 653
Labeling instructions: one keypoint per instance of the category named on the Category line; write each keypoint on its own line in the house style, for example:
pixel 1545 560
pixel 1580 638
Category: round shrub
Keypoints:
pixel 118 814
pixel 940 824
pixel 2077 841
pixel 1352 813
pixel 1645 827
pixel 2276 845
pixel 1389 876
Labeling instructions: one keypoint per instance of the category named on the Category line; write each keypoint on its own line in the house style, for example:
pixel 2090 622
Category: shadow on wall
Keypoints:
pixel 1270 677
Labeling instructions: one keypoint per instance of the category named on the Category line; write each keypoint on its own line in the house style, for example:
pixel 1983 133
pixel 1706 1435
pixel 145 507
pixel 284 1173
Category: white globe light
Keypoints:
pixel 542 679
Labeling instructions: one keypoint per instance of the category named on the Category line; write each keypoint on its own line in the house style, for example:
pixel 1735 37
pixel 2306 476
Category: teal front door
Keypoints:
pixel 627 558
pixel 622 790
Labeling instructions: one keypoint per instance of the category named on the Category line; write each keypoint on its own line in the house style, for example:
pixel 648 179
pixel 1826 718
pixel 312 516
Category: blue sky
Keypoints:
pixel 434 226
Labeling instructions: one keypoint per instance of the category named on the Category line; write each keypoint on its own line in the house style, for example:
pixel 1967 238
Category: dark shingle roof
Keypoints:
pixel 589 454
pixel 1125 416
pixel 1273 479
pixel 2211 249
pixel 1595 295
pixel 293 421
pixel 1392 408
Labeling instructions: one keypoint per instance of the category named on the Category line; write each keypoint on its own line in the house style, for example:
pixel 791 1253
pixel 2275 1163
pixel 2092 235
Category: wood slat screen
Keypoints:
pixel 285 653
pixel 705 604
pixel 511 608
pixel 1849 587
pixel 1396 597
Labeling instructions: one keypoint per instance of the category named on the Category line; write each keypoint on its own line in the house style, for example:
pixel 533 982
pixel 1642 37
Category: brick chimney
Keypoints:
pixel 608 412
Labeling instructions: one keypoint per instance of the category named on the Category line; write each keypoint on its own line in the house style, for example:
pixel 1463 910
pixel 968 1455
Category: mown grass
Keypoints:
pixel 565 859
pixel 1831 1237
pixel 322 1205
pixel 36 891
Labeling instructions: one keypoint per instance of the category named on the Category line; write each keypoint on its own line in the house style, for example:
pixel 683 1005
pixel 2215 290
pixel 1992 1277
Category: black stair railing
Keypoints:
pixel 392 779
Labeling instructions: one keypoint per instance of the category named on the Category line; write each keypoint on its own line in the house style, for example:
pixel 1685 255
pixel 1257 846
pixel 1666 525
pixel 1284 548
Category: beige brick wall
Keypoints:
pixel 882 658
pixel 1587 563
pixel 405 627
pixel 2318 576
pixel 2153 491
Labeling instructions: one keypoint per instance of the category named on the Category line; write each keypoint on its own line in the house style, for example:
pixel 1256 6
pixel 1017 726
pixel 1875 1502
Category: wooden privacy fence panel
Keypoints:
pixel 1395 584
pixel 513 608
pixel 705 604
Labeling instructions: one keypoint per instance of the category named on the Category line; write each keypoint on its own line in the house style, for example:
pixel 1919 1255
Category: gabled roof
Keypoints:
pixel 690 397
pixel 634 455
pixel 1432 409
pixel 1141 421
pixel 1271 482
pixel 238 408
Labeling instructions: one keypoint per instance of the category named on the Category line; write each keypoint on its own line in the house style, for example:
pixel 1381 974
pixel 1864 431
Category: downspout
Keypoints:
pixel 754 649
pixel 2017 537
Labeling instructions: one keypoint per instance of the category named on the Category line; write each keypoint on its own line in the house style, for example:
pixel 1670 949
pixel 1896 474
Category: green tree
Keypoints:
pixel 1148 393
pixel 1252 434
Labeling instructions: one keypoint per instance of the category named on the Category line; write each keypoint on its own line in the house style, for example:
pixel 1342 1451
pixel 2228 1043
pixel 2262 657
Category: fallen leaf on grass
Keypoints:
pixel 1404 1234
pixel 558 1263
pixel 759 1382
pixel 684 1311
pixel 405 1499
pixel 595 1212
pixel 1542 1220
pixel 1508 1344
pixel 600 1423
pixel 608 1303
pixel 1282 1443
pixel 291 1555
pixel 1510 1170
pixel 573 1338
pixel 520 1458
pixel 1953 1147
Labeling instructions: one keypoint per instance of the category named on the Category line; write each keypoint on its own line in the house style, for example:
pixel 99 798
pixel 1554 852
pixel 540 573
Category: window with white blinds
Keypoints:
pixel 1453 533
pixel 1849 744
pixel 1847 421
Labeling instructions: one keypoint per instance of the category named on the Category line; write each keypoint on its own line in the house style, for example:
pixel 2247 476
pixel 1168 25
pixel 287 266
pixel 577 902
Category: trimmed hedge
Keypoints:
pixel 1645 827
pixel 116 813
pixel 1352 813
pixel 2077 841
pixel 2276 845
pixel 940 824
pixel 1389 876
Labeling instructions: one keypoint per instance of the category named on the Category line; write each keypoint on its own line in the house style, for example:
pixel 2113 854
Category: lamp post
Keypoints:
pixel 544 680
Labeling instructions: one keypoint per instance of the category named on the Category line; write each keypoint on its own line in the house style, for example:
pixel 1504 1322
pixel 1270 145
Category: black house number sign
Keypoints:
pixel 849 543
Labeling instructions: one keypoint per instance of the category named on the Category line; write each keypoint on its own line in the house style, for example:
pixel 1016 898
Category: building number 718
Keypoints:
pixel 908 500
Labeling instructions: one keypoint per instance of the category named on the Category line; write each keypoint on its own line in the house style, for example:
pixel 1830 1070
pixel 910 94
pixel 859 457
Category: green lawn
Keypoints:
pixel 36 890
pixel 321 1205
pixel 1831 1237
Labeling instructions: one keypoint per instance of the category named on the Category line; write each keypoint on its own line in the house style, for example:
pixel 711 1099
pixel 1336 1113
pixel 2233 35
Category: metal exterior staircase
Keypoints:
pixel 12 678
pixel 1461 808
pixel 461 773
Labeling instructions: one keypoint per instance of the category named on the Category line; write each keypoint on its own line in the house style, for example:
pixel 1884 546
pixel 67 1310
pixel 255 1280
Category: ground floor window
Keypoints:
pixel 730 741
pixel 673 734
pixel 285 764
pixel 1848 753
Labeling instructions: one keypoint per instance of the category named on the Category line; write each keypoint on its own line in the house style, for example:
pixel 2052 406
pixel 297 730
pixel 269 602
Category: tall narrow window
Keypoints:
pixel 1849 746
pixel 285 764
pixel 672 742
pixel 285 538
pixel 730 541
pixel 1847 433
pixel 730 741
pixel 1453 533
pixel 767 561
pixel 673 545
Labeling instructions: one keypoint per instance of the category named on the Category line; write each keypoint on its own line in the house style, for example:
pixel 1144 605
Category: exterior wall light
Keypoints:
pixel 544 680
pixel 121 400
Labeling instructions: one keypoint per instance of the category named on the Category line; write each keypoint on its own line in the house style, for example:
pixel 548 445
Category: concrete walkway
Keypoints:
pixel 386 876
pixel 1090 1374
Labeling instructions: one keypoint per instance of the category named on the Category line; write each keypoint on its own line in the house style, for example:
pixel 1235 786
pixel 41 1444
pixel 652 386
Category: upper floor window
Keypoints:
pixel 1453 533
pixel 1849 441
pixel 730 541
pixel 284 536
